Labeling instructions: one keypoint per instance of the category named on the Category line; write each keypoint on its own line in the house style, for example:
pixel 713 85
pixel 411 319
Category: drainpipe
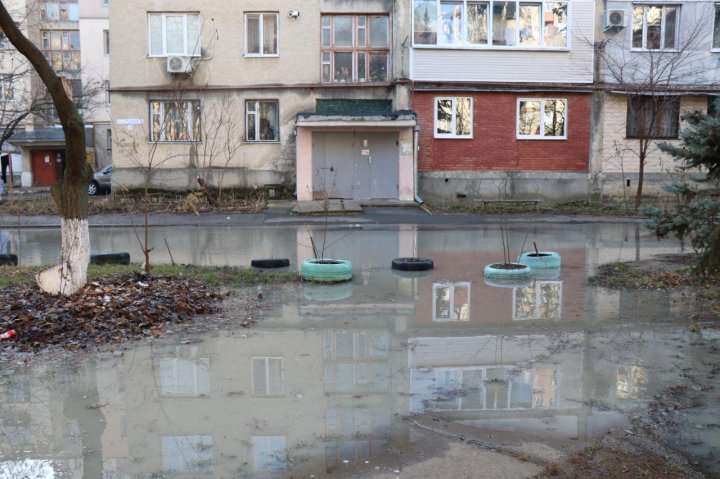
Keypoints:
pixel 416 144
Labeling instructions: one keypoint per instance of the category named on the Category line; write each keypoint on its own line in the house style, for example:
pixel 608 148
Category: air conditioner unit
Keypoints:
pixel 179 65
pixel 614 19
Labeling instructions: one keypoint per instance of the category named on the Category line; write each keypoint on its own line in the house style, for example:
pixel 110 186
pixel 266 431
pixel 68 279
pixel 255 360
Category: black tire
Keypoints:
pixel 93 188
pixel 412 264
pixel 270 263
pixel 110 258
pixel 8 260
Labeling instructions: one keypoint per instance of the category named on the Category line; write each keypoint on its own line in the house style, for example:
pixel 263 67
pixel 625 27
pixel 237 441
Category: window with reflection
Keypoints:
pixel 653 116
pixel 451 302
pixel 356 432
pixel 267 377
pixel 356 361
pixel 355 48
pixel 472 23
pixel 453 117
pixel 174 120
pixel 60 11
pixel 541 300
pixel 631 382
pixel 62 49
pixel 654 27
pixel 187 453
pixel 184 375
pixel 269 453
pixel 540 118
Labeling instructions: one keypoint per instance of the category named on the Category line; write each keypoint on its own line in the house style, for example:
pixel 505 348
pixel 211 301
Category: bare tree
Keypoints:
pixel 647 72
pixel 70 195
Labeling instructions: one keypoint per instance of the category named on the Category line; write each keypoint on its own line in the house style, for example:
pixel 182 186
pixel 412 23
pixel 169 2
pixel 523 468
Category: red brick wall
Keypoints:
pixel 494 146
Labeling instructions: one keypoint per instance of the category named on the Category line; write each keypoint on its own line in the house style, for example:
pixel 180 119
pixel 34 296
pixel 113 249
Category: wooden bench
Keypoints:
pixel 511 202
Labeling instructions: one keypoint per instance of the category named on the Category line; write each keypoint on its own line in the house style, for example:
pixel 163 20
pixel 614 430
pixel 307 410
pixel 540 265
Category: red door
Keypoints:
pixel 45 167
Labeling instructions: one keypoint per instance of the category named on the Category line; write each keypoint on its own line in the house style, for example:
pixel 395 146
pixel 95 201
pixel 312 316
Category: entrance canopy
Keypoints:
pixel 356 155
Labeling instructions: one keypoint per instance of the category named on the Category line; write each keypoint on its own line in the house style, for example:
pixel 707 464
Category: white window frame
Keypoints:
pixel 678 20
pixel 267 360
pixel 453 135
pixel 537 287
pixel 542 135
pixel 262 34
pixel 163 23
pixel 256 112
pixel 489 46
pixel 451 287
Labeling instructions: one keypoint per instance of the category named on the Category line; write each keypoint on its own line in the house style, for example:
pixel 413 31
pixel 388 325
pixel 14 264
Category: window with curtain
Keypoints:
pixel 261 34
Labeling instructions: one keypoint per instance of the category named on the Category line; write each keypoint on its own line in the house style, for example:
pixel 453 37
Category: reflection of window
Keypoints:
pixel 269 453
pixel 451 302
pixel 108 139
pixel 654 27
pixel 62 49
pixel 355 48
pixel 187 453
pixel 175 120
pixel 7 91
pixel 174 34
pixel 106 41
pixel 267 377
pixel 484 388
pixel 716 28
pixel 471 23
pixel 261 34
pixel 60 11
pixel 356 432
pixel 184 376
pixel 453 117
pixel 541 118
pixel 650 116
pixel 631 382
pixel 356 361
pixel 541 300
pixel 262 120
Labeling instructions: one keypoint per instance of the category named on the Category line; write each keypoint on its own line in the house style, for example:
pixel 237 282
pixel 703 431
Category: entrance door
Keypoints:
pixel 355 165
pixel 46 167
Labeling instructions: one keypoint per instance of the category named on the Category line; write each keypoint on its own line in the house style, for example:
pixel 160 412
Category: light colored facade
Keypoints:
pixel 680 41
pixel 502 91
pixel 247 71
pixel 94 28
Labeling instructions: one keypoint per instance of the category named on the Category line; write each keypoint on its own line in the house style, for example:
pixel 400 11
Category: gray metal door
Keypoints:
pixel 333 164
pixel 357 165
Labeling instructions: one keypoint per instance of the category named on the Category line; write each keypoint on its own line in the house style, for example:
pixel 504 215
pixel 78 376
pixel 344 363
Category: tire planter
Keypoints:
pixel 499 282
pixel 515 271
pixel 8 260
pixel 327 292
pixel 110 258
pixel 541 259
pixel 326 270
pixel 412 264
pixel 270 263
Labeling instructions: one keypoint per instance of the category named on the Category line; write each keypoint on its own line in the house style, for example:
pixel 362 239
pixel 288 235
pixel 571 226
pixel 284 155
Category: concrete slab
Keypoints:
pixel 332 207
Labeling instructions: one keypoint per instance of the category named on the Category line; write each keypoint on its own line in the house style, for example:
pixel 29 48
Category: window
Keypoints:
pixel 355 48
pixel 175 120
pixel 472 24
pixel 106 2
pixel 261 34
pixel 654 27
pixel 653 117
pixel 60 11
pixel 108 139
pixel 77 92
pixel 185 375
pixel 106 41
pixel 106 87
pixel 453 117
pixel 269 453
pixel 262 120
pixel 267 377
pixel 451 302
pixel 541 118
pixel 174 34
pixel 62 49
pixel 713 106
pixel 3 41
pixel 356 361
pixel 541 300
pixel 187 453
pixel 7 91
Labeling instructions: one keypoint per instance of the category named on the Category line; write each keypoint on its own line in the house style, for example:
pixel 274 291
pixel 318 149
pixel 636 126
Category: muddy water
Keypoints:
pixel 357 379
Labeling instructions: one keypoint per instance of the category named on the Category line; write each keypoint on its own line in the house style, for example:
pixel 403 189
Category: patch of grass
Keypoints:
pixel 230 276
pixel 626 275
pixel 571 208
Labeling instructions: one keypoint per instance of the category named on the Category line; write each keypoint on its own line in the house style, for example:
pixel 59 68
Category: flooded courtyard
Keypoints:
pixel 375 377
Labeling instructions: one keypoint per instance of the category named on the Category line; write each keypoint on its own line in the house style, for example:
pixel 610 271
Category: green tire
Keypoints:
pixel 326 270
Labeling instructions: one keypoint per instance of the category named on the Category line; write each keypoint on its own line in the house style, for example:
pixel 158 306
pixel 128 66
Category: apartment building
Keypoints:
pixel 658 62
pixel 503 90
pixel 55 27
pixel 310 95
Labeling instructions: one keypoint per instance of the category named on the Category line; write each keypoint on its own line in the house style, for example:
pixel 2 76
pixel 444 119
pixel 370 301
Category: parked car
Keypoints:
pixel 101 181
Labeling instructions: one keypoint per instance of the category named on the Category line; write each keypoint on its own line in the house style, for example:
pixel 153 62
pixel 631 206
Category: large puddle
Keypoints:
pixel 334 379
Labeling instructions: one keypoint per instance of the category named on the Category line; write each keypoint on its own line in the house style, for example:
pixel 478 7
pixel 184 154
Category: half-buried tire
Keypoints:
pixel 110 258
pixel 412 264
pixel 270 263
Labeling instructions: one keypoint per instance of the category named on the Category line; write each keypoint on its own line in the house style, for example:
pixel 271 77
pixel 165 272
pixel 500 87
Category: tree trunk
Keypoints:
pixel 641 177
pixel 71 194
pixel 710 262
